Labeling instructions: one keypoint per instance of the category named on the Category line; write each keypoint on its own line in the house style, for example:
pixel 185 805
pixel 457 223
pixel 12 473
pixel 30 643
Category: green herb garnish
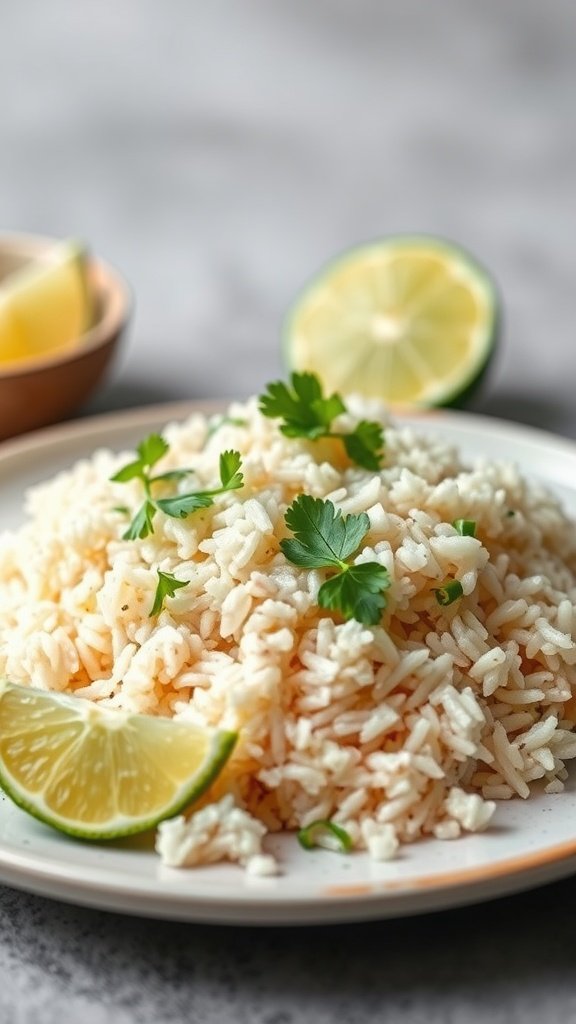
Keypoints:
pixel 167 587
pixel 305 412
pixel 221 421
pixel 325 539
pixel 150 451
pixel 449 592
pixel 141 525
pixel 308 837
pixel 465 527
pixel 179 506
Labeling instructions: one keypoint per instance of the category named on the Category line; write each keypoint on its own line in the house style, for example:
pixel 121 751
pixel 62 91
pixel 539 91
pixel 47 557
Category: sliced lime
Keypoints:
pixel 100 773
pixel 410 320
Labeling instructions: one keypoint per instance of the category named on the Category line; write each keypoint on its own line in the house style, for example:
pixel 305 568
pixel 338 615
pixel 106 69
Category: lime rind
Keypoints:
pixel 219 750
pixel 455 390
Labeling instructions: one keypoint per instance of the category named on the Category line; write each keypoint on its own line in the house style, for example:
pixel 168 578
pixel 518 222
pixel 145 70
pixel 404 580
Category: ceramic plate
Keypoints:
pixel 530 842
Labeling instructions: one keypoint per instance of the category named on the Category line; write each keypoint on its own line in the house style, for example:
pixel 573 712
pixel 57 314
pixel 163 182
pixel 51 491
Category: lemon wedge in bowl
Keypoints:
pixel 46 305
pixel 99 773
pixel 411 320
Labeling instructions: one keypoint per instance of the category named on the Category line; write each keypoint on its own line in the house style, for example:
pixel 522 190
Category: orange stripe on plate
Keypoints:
pixel 449 879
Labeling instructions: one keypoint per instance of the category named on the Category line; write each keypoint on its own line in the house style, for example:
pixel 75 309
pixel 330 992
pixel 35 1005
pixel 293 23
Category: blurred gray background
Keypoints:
pixel 220 153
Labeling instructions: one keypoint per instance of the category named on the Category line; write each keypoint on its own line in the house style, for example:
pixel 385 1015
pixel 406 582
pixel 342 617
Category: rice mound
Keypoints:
pixel 411 728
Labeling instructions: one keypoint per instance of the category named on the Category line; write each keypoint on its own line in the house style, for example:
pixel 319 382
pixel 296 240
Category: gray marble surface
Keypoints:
pixel 219 153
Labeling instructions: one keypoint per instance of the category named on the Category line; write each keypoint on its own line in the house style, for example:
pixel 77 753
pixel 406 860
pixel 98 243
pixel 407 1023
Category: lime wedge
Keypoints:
pixel 410 320
pixel 45 307
pixel 98 773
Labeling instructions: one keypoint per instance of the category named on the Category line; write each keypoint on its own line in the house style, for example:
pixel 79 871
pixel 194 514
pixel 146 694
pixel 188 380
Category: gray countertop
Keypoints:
pixel 219 154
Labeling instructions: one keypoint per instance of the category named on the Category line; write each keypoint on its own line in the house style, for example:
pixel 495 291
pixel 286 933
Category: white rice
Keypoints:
pixel 408 729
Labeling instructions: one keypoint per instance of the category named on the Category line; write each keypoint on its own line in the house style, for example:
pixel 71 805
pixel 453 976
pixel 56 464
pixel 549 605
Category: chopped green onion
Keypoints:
pixel 510 513
pixel 465 527
pixel 308 837
pixel 449 592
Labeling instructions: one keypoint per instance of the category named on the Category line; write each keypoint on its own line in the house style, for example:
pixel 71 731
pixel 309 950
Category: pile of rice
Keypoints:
pixel 408 729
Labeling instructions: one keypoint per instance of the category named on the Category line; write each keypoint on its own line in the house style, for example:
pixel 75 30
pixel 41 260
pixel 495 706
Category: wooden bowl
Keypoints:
pixel 50 387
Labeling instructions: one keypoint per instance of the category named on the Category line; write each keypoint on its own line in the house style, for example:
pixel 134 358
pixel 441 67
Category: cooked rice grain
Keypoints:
pixel 411 728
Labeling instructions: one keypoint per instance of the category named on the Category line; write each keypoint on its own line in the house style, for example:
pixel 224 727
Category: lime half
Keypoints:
pixel 411 320
pixel 98 773
pixel 45 307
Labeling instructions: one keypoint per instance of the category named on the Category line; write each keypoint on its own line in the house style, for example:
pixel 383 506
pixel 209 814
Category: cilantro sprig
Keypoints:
pixel 306 412
pixel 178 506
pixel 325 539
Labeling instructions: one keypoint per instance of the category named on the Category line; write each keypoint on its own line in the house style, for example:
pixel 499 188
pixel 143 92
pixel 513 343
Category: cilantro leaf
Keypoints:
pixel 141 526
pixel 182 505
pixel 307 388
pixel 325 539
pixel 151 450
pixel 364 444
pixel 300 554
pixel 357 592
pixel 128 472
pixel 323 535
pixel 170 474
pixel 306 412
pixel 230 474
pixel 167 587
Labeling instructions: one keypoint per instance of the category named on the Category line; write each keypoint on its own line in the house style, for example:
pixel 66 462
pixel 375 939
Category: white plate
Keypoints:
pixel 530 842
